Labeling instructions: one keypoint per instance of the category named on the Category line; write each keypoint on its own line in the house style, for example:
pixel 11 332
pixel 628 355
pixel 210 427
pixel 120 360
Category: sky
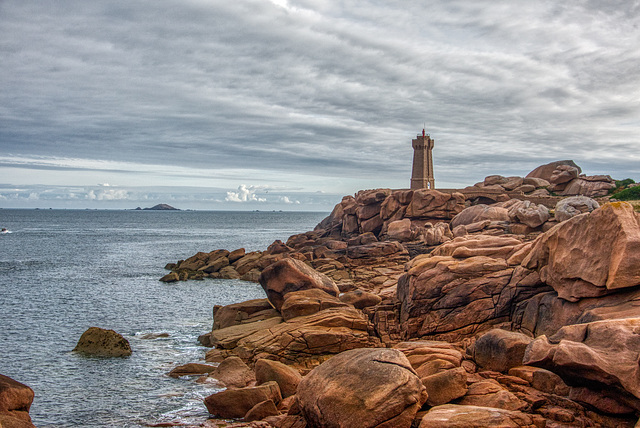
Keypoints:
pixel 291 104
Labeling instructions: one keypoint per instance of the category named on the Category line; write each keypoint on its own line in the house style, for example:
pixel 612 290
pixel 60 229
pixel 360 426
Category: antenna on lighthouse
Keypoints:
pixel 423 128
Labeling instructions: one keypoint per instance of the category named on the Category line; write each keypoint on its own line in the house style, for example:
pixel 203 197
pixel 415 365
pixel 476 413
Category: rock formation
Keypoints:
pixel 499 305
pixel 289 275
pixel 15 402
pixel 103 343
pixel 333 394
pixel 590 255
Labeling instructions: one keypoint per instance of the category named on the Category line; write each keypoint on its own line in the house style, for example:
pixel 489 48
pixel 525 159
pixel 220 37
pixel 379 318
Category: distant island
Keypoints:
pixel 159 207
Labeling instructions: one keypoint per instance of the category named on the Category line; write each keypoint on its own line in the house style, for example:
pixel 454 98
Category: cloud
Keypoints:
pixel 286 200
pixel 244 194
pixel 313 94
pixel 108 195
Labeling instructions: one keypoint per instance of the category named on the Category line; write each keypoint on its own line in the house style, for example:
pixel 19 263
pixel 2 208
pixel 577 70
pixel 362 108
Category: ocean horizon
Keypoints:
pixel 65 270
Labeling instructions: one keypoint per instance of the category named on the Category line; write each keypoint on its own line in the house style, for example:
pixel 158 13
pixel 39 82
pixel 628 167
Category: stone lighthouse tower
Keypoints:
pixel 422 173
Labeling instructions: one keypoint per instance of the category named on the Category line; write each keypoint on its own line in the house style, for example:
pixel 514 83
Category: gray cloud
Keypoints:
pixel 326 95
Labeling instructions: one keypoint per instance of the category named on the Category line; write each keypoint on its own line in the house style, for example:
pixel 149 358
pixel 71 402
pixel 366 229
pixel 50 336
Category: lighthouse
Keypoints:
pixel 422 173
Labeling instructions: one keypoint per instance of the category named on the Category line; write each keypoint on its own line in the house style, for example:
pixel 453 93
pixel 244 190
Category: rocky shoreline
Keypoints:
pixel 437 309
pixel 514 303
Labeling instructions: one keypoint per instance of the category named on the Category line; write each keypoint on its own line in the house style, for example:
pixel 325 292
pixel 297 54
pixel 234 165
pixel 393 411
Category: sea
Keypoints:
pixel 63 271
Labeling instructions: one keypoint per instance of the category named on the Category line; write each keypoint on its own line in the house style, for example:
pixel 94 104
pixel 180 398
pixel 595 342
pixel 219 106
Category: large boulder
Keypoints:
pixel 289 275
pixel 15 402
pixel 286 377
pixel 233 373
pixel 499 350
pixel 602 352
pixel 526 212
pixel 562 175
pixel 546 171
pixel 458 416
pixel 574 205
pixel 236 403
pixel 434 204
pixel 371 196
pixel 592 186
pixel 363 388
pixel 400 230
pixel 446 298
pixel 590 255
pixel 445 386
pixel 103 343
pixel 480 212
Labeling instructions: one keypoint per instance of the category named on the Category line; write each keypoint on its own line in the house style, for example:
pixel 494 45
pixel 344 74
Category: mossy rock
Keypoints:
pixel 103 343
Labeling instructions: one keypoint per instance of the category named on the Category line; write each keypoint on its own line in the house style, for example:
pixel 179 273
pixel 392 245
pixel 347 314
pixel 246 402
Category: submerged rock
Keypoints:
pixel 103 343
pixel 191 369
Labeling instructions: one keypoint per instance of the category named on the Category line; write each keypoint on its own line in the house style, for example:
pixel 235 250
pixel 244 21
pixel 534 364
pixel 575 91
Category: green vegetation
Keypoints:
pixel 621 185
pixel 625 182
pixel 630 194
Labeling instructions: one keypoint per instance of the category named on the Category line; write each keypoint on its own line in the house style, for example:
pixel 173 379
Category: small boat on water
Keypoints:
pixel 4 230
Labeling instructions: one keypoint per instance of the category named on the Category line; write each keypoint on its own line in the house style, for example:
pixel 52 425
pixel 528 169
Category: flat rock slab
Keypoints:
pixel 330 331
pixel 229 337
pixel 457 416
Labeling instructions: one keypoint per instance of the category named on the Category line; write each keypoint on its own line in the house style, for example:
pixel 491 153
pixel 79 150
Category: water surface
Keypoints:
pixel 63 271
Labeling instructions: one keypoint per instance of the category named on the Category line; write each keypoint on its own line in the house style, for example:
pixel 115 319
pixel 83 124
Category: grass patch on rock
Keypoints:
pixel 630 194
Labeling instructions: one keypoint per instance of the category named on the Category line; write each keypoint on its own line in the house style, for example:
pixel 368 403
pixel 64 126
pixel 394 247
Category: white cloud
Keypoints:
pixel 107 195
pixel 312 93
pixel 286 200
pixel 244 194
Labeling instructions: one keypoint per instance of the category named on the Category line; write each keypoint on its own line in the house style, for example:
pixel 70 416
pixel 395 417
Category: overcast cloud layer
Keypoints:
pixel 290 104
